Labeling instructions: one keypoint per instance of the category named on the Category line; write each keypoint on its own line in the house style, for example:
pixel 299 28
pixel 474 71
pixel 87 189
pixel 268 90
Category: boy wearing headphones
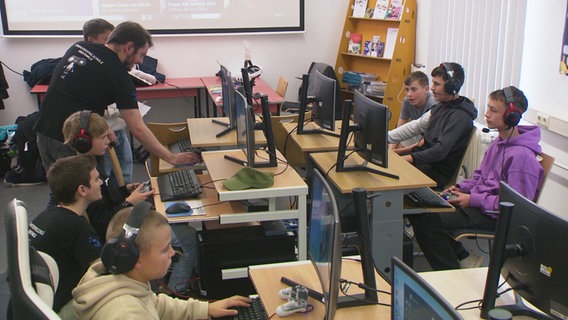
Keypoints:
pixel 511 157
pixel 446 138
pixel 137 252
pixel 63 231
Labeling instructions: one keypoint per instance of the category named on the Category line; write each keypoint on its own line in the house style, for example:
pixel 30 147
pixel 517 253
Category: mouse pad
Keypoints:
pixel 196 209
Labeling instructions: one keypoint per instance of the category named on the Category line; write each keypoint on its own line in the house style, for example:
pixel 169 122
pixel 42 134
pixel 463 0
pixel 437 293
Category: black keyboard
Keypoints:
pixel 427 197
pixel 182 145
pixel 178 185
pixel 254 312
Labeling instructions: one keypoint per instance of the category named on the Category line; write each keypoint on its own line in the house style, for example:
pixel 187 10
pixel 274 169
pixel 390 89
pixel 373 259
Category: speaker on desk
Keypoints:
pixel 238 247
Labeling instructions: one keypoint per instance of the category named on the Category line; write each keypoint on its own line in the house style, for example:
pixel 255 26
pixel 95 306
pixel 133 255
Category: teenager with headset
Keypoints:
pixel 446 136
pixel 86 132
pixel 63 231
pixel 511 157
pixel 137 252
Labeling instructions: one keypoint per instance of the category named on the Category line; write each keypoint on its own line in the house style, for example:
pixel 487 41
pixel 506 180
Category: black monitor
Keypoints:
pixel 228 95
pixel 413 298
pixel 370 126
pixel 245 133
pixel 529 251
pixel 320 91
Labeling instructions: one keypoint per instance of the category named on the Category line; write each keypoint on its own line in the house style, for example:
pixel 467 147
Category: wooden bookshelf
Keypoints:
pixel 393 70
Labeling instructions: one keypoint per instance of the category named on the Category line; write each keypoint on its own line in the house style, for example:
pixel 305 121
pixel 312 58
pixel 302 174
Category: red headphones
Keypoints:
pixel 82 141
pixel 512 115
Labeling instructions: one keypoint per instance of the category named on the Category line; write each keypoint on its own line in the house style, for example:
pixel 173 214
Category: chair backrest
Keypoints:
pixel 166 133
pixel 282 86
pixel 33 275
pixel 292 153
pixel 546 161
pixel 454 177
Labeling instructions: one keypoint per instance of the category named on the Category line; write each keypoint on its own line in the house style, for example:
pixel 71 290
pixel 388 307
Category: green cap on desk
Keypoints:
pixel 248 177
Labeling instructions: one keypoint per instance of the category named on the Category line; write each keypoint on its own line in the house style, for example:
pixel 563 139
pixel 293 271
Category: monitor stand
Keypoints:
pixel 228 126
pixel 267 164
pixel 341 168
pixel 520 309
pixel 319 131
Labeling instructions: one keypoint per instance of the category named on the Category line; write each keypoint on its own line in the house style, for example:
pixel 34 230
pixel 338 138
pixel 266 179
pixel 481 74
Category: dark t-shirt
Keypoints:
pixel 72 243
pixel 90 76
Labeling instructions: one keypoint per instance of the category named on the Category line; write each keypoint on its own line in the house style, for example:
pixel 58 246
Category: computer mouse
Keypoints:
pixel 178 207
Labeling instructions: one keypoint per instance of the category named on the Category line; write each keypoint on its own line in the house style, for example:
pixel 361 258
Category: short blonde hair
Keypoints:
pixel 145 237
pixel 96 127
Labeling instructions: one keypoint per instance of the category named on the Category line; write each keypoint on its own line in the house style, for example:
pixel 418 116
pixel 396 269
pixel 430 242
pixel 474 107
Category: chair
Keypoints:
pixel 454 177
pixel 291 151
pixel 546 161
pixel 33 274
pixel 281 89
pixel 166 133
pixel 116 169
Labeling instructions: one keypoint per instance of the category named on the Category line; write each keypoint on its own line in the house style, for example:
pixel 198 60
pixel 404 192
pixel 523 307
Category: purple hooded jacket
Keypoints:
pixel 513 161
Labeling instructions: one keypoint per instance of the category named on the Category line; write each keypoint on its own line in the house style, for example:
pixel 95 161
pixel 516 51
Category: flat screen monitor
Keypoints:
pixel 370 128
pixel 321 93
pixel 529 251
pixel 413 298
pixel 245 120
pixel 228 96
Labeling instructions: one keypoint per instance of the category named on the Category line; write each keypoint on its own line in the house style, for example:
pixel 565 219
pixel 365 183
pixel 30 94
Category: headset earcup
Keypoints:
pixel 119 257
pixel 512 117
pixel 82 142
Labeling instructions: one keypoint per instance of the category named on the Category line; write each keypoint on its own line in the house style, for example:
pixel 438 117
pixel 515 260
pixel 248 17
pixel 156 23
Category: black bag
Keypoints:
pixel 41 72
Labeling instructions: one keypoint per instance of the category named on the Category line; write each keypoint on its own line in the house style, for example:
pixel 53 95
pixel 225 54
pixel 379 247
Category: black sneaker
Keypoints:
pixel 23 177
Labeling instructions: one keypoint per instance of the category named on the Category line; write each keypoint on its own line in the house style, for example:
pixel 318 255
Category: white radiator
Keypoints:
pixel 475 152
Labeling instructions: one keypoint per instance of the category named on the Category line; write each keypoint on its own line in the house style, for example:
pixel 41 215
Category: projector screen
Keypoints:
pixel 66 17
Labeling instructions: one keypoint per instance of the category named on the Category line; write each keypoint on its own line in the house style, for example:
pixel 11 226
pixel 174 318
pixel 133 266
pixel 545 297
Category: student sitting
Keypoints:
pixel 127 294
pixel 511 157
pixel 63 231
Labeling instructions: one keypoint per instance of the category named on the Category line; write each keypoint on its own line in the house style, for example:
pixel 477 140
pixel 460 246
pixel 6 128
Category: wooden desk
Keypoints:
pixel 214 82
pixel 266 280
pixel 461 285
pixel 202 134
pixel 387 200
pixel 172 88
pixel 208 198
pixel 287 184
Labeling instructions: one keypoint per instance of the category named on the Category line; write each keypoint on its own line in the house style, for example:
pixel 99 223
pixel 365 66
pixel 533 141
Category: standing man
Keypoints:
pixel 91 76
pixel 418 100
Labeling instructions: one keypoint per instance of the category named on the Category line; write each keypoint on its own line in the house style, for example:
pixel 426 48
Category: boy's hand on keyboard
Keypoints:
pixel 220 308
pixel 185 158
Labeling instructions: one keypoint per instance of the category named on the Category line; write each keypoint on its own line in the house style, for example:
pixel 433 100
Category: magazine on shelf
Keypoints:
pixel 359 8
pixel 355 42
pixel 390 42
pixel 381 9
pixel 395 10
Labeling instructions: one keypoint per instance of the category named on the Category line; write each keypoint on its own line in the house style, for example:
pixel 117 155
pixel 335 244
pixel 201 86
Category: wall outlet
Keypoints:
pixel 542 119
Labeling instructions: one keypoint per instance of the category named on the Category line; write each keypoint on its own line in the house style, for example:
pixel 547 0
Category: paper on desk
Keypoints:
pixel 144 108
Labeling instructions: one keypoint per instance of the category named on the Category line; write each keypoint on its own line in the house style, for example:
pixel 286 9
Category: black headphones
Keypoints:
pixel 453 84
pixel 120 255
pixel 512 115
pixel 82 141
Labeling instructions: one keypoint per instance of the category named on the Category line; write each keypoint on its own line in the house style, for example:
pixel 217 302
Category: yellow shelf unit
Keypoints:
pixel 392 71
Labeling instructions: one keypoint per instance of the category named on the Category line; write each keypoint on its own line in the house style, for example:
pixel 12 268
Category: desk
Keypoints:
pixel 172 88
pixel 202 134
pixel 461 285
pixel 387 203
pixel 286 184
pixel 266 280
pixel 214 82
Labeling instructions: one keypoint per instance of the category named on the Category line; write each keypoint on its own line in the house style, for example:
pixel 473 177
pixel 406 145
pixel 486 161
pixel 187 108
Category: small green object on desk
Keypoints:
pixel 247 178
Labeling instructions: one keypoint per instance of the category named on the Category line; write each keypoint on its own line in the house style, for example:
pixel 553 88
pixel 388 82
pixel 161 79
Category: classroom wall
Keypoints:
pixel 181 56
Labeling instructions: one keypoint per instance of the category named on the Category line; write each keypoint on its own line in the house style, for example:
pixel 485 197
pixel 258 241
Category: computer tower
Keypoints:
pixel 235 248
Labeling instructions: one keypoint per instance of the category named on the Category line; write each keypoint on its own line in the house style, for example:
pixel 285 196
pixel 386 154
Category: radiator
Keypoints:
pixel 475 151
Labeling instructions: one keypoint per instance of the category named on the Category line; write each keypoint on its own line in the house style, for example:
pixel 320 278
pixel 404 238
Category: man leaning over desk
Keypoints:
pixel 90 76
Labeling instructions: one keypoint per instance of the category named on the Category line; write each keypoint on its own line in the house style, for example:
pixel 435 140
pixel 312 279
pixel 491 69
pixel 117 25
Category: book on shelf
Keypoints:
pixel 369 13
pixel 390 42
pixel 355 42
pixel 381 9
pixel 395 10
pixel 372 47
pixel 359 8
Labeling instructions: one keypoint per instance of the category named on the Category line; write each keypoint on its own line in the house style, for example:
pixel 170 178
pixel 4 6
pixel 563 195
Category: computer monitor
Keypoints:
pixel 413 298
pixel 529 251
pixel 321 92
pixel 370 127
pixel 228 95
pixel 245 133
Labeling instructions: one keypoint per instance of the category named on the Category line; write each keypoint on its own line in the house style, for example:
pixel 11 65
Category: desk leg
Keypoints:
pixel 302 228
pixel 386 229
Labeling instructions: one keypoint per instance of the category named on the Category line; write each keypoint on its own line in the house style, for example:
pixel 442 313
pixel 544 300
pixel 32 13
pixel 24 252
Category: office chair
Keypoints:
pixel 33 274
pixel 546 161
pixel 281 89
pixel 166 133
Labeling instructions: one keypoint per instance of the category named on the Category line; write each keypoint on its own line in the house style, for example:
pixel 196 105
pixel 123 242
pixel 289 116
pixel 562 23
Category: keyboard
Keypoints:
pixel 178 185
pixel 181 145
pixel 254 312
pixel 427 197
